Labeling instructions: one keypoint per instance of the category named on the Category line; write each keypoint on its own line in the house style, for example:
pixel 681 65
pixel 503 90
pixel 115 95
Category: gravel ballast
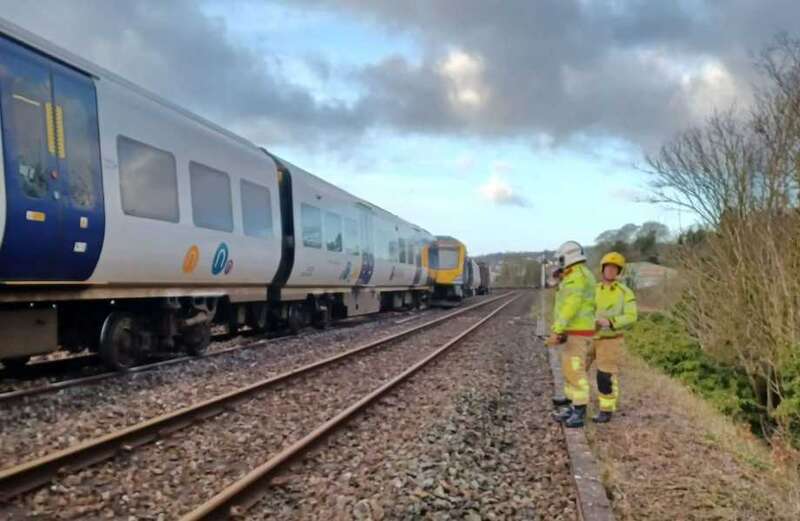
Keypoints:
pixel 468 438
pixel 167 478
pixel 38 425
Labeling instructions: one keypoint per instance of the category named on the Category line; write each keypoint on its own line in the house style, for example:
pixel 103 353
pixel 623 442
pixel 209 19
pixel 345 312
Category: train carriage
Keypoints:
pixel 446 258
pixel 129 225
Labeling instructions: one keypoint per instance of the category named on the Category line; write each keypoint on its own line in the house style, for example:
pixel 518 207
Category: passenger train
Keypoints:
pixel 129 225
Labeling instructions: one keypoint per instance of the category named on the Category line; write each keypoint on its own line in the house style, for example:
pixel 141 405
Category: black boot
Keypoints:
pixel 577 417
pixel 603 417
pixel 561 401
pixel 562 415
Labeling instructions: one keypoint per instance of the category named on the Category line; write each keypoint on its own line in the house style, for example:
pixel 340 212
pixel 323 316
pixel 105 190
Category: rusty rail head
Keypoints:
pixel 29 475
pixel 238 497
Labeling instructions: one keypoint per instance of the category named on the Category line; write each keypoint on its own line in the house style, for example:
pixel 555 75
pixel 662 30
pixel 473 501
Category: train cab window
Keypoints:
pixel 393 251
pixel 148 181
pixel 351 246
pixel 410 252
pixel 311 218
pixel 402 252
pixel 211 198
pixel 256 210
pixel 448 258
pixel 28 121
pixel 333 231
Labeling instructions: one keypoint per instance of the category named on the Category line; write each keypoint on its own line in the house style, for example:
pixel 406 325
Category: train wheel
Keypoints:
pixel 121 344
pixel 16 364
pixel 196 339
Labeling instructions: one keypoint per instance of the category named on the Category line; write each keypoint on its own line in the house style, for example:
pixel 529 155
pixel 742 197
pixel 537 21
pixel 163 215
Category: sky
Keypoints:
pixel 510 124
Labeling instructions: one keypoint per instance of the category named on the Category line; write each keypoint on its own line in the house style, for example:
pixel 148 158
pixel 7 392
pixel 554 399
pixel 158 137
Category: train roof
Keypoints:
pixel 447 238
pixel 74 61
pixel 332 186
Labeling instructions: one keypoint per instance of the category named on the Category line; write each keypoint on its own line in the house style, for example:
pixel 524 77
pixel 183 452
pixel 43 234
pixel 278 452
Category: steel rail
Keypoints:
pixel 237 498
pixel 31 474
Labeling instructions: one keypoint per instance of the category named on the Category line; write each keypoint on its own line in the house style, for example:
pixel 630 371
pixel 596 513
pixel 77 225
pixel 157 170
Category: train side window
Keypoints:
pixel 402 247
pixel 28 122
pixel 433 257
pixel 311 218
pixel 211 198
pixel 351 237
pixel 256 210
pixel 148 181
pixel 393 251
pixel 76 111
pixel 381 243
pixel 333 231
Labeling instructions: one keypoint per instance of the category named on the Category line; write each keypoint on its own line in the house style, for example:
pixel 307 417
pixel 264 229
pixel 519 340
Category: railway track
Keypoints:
pixel 238 497
pixel 52 367
pixel 27 476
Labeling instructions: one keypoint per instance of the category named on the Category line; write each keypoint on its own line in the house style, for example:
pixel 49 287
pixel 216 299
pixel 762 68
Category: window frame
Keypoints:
pixel 120 139
pixel 351 225
pixel 227 176
pixel 271 226
pixel 306 244
pixel 325 232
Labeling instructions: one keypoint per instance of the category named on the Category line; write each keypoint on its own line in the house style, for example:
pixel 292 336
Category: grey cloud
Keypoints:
pixel 546 71
pixel 175 50
pixel 567 68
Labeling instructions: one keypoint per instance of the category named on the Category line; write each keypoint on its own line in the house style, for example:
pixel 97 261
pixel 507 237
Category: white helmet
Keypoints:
pixel 570 253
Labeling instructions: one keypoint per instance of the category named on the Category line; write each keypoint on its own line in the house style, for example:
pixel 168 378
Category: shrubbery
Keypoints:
pixel 664 343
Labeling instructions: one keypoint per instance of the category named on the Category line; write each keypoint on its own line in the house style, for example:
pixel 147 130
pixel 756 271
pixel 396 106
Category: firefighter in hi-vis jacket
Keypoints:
pixel 616 311
pixel 573 329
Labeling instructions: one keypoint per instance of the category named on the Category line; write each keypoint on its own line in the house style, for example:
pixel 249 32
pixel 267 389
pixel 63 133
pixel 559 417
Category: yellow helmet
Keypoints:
pixel 613 258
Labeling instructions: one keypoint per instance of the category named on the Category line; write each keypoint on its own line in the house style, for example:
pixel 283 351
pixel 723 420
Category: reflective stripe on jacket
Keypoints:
pixel 617 303
pixel 575 302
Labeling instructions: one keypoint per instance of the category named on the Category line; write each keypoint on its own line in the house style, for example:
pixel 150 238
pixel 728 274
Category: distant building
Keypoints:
pixel 647 275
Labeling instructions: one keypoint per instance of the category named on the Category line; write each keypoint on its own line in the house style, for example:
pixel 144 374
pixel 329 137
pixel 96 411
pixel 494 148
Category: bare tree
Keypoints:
pixel 740 173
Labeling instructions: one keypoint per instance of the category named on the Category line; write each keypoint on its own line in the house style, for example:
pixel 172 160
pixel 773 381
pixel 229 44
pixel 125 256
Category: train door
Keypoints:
pixel 54 198
pixel 367 247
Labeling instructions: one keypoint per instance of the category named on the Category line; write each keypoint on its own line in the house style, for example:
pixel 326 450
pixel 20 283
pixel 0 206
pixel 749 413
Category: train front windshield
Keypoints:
pixel 444 258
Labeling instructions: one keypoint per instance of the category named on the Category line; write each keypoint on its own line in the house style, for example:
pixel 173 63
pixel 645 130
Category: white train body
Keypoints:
pixel 139 250
pixel 119 207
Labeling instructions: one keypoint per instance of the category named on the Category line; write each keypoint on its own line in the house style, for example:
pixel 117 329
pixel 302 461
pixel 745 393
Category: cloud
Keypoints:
pixel 552 71
pixel 177 51
pixel 547 72
pixel 498 191
pixel 463 74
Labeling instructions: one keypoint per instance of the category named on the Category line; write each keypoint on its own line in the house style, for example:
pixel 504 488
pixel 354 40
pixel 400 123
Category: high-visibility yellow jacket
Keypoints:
pixel 617 303
pixel 574 311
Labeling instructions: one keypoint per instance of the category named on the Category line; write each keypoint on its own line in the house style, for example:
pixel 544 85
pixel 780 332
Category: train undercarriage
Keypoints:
pixel 127 331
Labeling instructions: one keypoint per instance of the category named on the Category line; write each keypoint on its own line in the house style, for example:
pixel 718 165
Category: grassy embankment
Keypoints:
pixel 681 446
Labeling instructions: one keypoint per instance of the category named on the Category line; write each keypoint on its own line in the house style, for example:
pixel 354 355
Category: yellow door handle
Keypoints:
pixel 51 133
pixel 62 146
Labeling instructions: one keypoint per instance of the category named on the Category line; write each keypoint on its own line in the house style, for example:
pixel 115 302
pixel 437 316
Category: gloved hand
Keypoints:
pixel 555 339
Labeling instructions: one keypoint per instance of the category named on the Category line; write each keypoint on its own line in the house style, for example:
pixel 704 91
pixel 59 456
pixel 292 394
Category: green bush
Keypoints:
pixel 663 343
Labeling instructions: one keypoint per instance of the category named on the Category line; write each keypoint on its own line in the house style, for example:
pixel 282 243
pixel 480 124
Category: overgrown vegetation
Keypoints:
pixel 664 343
pixel 740 174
